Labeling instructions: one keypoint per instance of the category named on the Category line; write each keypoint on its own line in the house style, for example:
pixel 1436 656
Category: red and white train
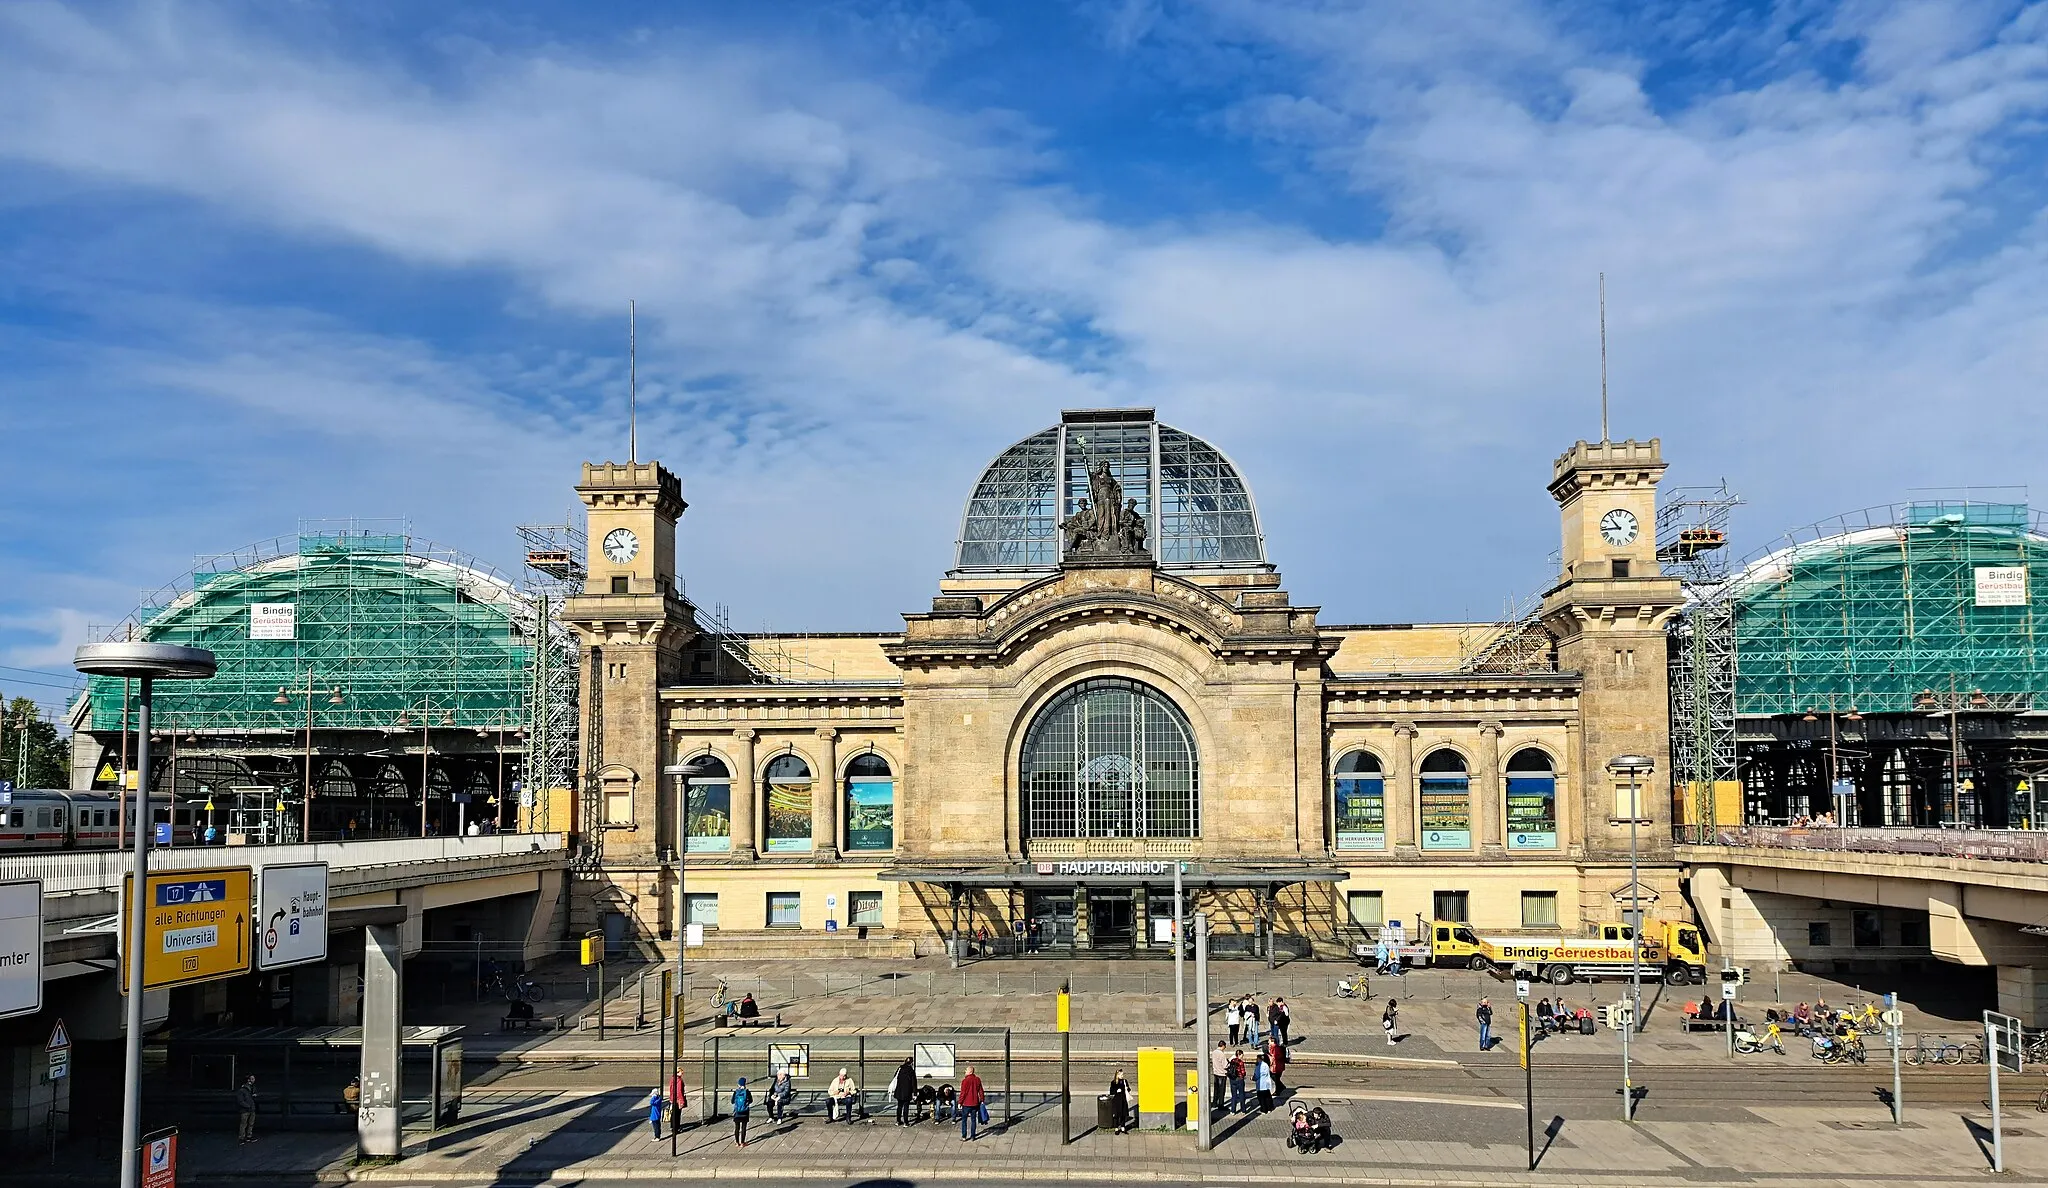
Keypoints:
pixel 37 819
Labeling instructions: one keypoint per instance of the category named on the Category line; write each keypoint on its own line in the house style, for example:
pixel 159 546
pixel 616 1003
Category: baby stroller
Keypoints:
pixel 1308 1130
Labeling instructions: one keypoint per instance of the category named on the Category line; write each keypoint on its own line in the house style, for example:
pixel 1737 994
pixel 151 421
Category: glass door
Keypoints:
pixel 1112 919
pixel 1049 922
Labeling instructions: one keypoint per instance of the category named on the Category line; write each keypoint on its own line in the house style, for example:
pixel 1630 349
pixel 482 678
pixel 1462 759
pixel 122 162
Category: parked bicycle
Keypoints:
pixel 518 988
pixel 1933 1049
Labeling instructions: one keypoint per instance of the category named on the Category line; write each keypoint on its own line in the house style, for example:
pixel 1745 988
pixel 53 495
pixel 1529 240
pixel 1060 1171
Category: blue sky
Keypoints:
pixel 266 262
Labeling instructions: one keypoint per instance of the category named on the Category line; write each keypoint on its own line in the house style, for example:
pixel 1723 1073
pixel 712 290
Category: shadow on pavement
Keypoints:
pixel 1550 1134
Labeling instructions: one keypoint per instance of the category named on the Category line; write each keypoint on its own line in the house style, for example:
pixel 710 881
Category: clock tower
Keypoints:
pixel 1608 613
pixel 633 624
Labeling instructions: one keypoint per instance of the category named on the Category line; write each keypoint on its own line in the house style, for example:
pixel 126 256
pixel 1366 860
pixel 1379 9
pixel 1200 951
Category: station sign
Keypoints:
pixel 21 947
pixel 291 915
pixel 195 926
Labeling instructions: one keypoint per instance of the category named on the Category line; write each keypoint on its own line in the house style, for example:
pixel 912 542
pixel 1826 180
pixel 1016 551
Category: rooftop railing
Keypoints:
pixel 102 870
pixel 1997 845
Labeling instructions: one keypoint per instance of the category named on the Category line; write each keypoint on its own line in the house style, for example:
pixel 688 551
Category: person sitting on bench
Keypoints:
pixel 519 1010
pixel 749 1009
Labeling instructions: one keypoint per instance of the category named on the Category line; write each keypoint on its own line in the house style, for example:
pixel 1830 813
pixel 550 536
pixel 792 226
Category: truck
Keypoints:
pixel 1672 950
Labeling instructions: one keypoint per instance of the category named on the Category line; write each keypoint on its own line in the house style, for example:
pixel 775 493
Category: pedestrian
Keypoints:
pixel 245 1110
pixel 1237 1079
pixel 1251 1020
pixel 973 1106
pixel 1379 956
pixel 1389 1018
pixel 654 1108
pixel 1485 1016
pixel 1280 1017
pixel 742 1105
pixel 352 1096
pixel 839 1097
pixel 1545 1016
pixel 1219 1078
pixel 1233 1019
pixel 903 1088
pixel 1265 1083
pixel 1276 1055
pixel 474 830
pixel 677 1100
pixel 780 1093
pixel 1120 1102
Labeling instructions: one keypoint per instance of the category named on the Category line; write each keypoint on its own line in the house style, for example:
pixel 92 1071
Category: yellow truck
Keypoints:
pixel 1672 950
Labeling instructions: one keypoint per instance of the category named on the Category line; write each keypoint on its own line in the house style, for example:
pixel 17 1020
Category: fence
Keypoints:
pixel 102 870
pixel 725 1058
pixel 2001 845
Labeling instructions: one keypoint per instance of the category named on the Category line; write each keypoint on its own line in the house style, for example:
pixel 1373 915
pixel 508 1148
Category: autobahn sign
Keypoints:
pixel 196 926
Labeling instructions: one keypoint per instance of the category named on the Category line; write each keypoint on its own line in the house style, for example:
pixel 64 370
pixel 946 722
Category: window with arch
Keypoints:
pixel 1532 801
pixel 789 805
pixel 870 804
pixel 1446 821
pixel 707 807
pixel 1360 795
pixel 1110 757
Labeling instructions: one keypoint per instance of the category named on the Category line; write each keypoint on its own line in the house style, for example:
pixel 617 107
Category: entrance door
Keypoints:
pixel 1049 921
pixel 1111 919
pixel 1159 908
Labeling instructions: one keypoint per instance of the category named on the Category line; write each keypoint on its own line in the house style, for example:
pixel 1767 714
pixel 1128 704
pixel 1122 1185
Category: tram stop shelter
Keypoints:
pixel 300 1073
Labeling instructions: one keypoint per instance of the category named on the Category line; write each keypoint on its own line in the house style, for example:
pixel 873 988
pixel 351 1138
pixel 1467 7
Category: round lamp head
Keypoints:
pixel 1631 764
pixel 144 661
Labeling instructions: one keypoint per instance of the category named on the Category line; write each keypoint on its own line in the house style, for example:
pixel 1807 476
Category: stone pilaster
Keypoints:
pixel 1402 791
pixel 826 797
pixel 1489 792
pixel 744 789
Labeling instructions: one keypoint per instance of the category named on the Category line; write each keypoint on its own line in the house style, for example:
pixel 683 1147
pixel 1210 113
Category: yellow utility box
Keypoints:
pixel 1156 1096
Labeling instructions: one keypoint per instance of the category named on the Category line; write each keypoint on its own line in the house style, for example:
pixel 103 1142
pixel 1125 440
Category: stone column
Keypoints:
pixel 1403 790
pixel 826 797
pixel 744 789
pixel 1488 791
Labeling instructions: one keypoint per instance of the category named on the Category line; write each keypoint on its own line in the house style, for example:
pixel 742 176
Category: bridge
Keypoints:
pixel 1851 898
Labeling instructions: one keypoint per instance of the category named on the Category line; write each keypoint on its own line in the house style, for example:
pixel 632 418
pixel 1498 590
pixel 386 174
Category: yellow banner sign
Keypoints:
pixel 195 926
pixel 1063 1013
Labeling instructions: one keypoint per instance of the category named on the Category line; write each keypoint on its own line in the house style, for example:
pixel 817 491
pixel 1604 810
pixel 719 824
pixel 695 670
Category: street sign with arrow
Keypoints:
pixel 196 926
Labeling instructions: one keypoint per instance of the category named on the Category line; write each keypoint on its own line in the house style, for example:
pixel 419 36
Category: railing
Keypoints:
pixel 1111 847
pixel 102 870
pixel 2002 845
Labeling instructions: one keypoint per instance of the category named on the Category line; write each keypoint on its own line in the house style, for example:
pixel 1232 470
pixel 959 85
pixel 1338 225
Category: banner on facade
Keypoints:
pixel 273 620
pixel 2001 585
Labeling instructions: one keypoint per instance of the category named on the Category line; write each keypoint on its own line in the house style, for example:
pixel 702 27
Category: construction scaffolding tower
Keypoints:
pixel 554 573
pixel 1692 545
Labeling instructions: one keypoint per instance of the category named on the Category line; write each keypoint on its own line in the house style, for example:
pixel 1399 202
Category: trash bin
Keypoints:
pixel 1105 1113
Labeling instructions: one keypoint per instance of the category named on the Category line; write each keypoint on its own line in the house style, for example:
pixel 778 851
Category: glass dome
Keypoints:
pixel 1197 509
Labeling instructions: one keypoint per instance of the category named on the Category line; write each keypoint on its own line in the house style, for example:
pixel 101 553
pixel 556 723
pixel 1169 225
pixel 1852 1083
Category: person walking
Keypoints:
pixel 1485 1016
pixel 1389 1019
pixel 1233 1019
pixel 839 1097
pixel 780 1093
pixel 742 1106
pixel 1276 1056
pixel 973 1106
pixel 1264 1079
pixel 903 1087
pixel 1220 1079
pixel 1280 1018
pixel 245 1110
pixel 1120 1102
pixel 655 1104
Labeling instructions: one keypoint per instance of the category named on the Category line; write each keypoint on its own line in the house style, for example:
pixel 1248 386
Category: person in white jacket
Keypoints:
pixel 840 1096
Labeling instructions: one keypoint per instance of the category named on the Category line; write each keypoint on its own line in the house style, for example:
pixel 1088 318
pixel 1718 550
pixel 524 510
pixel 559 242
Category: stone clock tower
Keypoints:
pixel 1608 613
pixel 633 624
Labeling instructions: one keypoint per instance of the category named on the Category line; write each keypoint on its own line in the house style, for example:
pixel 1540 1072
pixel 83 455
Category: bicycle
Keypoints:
pixel 1931 1051
pixel 722 1001
pixel 519 989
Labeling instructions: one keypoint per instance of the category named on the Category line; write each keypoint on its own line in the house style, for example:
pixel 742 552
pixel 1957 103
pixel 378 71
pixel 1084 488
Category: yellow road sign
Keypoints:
pixel 195 926
pixel 1063 1012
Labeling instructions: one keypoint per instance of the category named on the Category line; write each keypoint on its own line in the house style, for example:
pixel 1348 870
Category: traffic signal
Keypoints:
pixel 1738 976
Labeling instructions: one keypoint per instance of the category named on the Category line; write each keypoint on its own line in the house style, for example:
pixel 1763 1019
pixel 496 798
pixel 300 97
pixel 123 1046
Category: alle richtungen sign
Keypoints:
pixel 195 926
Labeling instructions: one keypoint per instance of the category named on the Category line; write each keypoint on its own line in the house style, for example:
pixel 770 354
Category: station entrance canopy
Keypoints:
pixel 1117 872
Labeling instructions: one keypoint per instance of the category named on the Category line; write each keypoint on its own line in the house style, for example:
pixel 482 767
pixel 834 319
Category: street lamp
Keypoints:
pixel 146 662
pixel 1634 767
pixel 426 709
pixel 284 697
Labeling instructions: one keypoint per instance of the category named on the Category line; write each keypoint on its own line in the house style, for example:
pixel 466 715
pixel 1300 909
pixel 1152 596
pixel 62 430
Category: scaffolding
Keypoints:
pixel 1692 540
pixel 1515 643
pixel 554 573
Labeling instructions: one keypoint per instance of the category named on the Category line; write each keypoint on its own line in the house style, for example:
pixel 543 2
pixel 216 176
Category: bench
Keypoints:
pixel 1697 1023
pixel 756 1021
pixel 527 1023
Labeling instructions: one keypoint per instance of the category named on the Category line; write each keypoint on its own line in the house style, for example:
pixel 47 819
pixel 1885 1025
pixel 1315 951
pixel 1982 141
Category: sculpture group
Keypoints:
pixel 1105 524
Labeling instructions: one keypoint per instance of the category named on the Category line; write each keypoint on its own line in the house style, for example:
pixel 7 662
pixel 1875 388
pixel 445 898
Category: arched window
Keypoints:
pixel 1359 793
pixel 789 805
pixel 1110 758
pixel 870 803
pixel 1446 822
pixel 707 799
pixel 1532 801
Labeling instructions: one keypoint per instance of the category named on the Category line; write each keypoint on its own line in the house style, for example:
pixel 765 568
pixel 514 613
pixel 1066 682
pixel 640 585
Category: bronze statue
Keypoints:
pixel 1105 524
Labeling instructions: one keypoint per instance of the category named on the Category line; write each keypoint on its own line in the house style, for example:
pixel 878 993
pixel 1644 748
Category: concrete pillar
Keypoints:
pixel 1402 790
pixel 380 1132
pixel 2023 994
pixel 744 788
pixel 1489 792
pixel 826 797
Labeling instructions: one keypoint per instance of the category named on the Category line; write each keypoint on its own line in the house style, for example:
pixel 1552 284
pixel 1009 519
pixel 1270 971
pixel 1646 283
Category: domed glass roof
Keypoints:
pixel 1198 511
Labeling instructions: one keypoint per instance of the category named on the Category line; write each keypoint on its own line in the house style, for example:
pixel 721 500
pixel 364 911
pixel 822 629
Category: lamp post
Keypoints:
pixel 1634 767
pixel 426 709
pixel 284 697
pixel 147 662
pixel 1835 760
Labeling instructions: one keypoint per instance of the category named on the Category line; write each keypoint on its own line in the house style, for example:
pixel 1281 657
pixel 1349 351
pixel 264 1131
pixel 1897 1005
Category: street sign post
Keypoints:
pixel 2002 1048
pixel 291 915
pixel 195 926
pixel 58 1052
pixel 1894 1019
pixel 160 1158
pixel 21 947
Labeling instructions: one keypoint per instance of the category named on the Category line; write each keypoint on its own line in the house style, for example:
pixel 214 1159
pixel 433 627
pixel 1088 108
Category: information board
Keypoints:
pixel 195 926
pixel 933 1060
pixel 794 1057
pixel 21 947
pixel 291 915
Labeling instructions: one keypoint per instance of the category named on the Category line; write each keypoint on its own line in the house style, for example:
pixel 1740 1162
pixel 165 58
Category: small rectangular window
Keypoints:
pixel 618 803
pixel 785 909
pixel 1620 567
pixel 14 819
pixel 1367 910
pixel 1452 905
pixel 1539 909
pixel 865 907
pixel 1820 936
pixel 701 909
pixel 619 585
pixel 1628 802
pixel 1866 928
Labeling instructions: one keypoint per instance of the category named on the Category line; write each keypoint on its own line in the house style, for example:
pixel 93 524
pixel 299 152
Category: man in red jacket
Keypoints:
pixel 1276 1055
pixel 972 1101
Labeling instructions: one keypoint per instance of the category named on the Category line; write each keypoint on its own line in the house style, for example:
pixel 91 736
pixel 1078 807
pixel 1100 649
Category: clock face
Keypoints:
pixel 1618 527
pixel 621 545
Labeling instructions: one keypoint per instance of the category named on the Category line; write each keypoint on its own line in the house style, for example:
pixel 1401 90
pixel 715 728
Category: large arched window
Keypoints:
pixel 1532 801
pixel 1359 793
pixel 789 805
pixel 870 803
pixel 707 799
pixel 1111 758
pixel 1446 802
